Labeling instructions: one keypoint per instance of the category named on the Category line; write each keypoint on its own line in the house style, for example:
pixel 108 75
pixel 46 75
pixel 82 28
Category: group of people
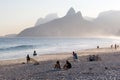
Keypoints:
pixel 28 59
pixel 65 67
pixel 57 65
pixel 67 64
pixel 94 58
pixel 115 46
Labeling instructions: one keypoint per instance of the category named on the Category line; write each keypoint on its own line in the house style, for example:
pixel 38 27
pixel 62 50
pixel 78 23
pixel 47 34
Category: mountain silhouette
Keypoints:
pixel 70 12
pixel 74 25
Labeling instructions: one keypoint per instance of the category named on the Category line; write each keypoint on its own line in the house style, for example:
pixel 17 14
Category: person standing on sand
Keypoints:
pixel 28 58
pixel 115 46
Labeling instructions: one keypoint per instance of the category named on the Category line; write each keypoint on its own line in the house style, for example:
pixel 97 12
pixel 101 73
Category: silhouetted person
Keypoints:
pixel 28 58
pixel 57 66
pixel 115 46
pixel 97 47
pixel 67 65
pixel 34 53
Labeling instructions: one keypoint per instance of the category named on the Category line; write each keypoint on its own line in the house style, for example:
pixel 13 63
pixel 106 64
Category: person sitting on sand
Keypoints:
pixel 94 58
pixel 75 57
pixel 57 66
pixel 97 47
pixel 90 58
pixel 67 65
pixel 28 58
pixel 34 53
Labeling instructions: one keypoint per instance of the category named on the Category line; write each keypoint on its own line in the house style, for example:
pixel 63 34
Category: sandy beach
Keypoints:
pixel 108 68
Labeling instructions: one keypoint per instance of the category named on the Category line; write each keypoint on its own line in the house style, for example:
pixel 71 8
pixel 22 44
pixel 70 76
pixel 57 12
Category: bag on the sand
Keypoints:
pixel 35 61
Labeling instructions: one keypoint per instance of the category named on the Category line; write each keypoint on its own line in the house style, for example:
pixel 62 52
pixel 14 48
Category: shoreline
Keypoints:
pixel 64 55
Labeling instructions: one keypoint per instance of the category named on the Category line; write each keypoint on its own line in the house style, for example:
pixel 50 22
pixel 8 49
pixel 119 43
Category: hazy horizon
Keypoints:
pixel 18 15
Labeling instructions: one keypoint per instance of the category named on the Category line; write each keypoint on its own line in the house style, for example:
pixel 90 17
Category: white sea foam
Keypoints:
pixel 11 48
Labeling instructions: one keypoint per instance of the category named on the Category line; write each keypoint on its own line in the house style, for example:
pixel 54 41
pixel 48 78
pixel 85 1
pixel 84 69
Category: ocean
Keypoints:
pixel 13 48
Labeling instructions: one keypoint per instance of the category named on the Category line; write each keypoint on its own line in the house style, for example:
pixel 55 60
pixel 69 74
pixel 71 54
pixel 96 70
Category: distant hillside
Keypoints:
pixel 74 25
pixel 109 22
pixel 48 18
pixel 10 35
pixel 88 18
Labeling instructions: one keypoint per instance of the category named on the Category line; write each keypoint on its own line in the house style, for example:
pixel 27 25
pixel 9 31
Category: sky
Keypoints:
pixel 16 15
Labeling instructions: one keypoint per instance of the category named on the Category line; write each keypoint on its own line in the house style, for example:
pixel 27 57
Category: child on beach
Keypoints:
pixel 67 65
pixel 57 66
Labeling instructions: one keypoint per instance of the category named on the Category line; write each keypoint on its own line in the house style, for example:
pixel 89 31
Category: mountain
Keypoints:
pixel 109 21
pixel 48 18
pixel 70 12
pixel 74 25
pixel 10 35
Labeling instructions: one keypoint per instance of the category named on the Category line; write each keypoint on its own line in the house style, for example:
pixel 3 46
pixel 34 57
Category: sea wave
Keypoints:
pixel 18 47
